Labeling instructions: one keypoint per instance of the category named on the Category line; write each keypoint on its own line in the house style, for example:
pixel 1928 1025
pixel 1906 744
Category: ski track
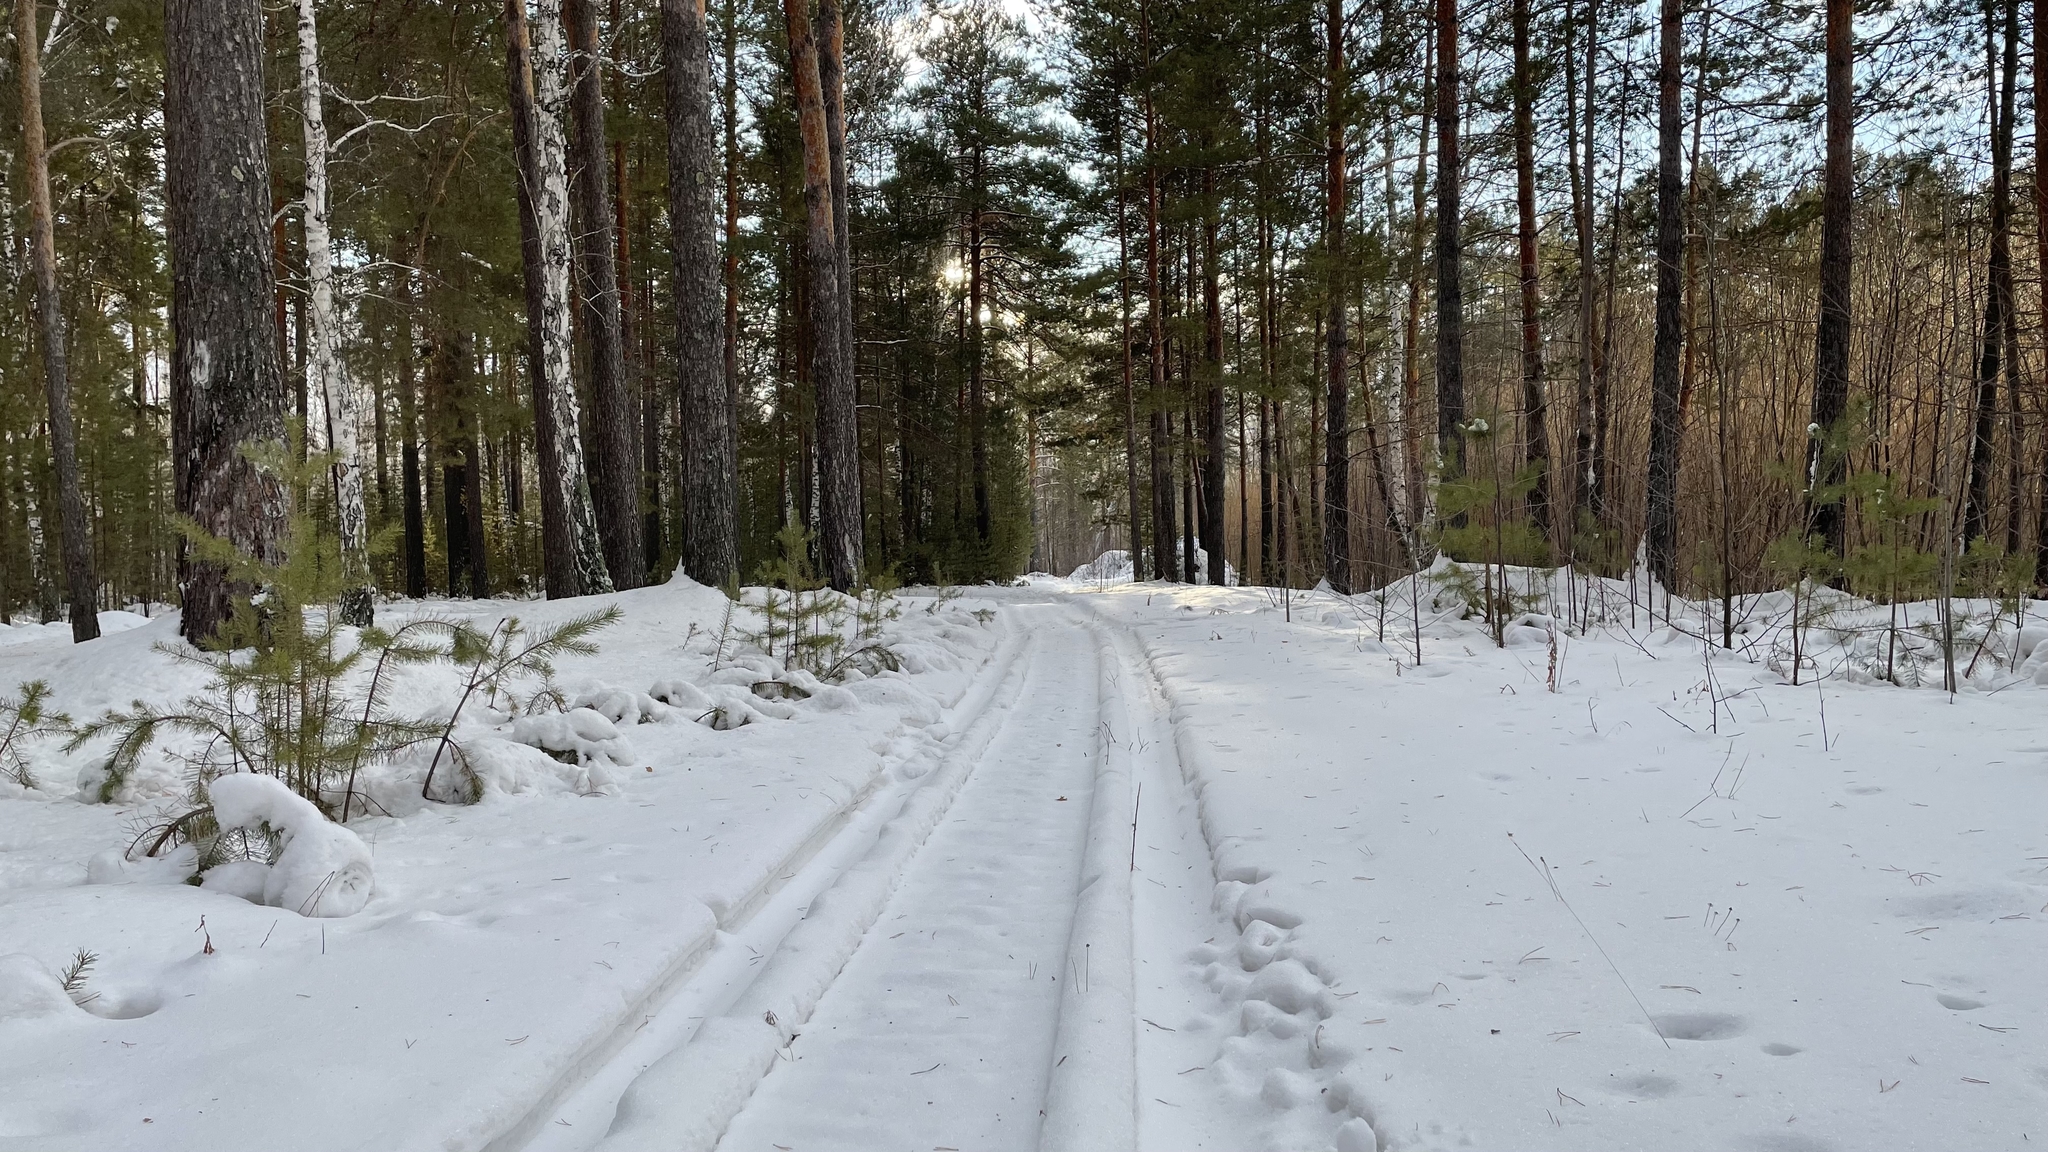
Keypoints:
pixel 666 1020
pixel 1030 947
pixel 939 1032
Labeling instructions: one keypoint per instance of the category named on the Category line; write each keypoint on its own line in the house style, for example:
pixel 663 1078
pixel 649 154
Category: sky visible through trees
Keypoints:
pixel 566 295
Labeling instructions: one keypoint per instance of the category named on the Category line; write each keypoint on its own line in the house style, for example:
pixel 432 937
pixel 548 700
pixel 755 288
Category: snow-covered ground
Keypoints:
pixel 1118 866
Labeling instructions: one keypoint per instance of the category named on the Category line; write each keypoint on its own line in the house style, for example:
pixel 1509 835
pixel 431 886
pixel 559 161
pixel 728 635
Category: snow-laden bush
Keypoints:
pixel 319 868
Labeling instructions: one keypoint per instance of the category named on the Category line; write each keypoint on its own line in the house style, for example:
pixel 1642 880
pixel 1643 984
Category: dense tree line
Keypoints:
pixel 568 294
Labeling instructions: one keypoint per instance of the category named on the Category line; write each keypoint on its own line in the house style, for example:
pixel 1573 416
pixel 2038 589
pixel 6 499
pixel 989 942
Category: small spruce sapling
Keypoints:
pixel 280 698
pixel 800 616
pixel 498 661
pixel 27 722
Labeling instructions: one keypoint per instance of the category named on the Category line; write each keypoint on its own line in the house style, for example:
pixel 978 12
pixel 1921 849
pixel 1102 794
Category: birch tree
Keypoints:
pixel 573 553
pixel 324 369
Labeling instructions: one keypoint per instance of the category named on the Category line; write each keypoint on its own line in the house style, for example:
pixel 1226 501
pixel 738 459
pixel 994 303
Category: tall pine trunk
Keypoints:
pixel 615 472
pixel 1337 446
pixel 227 390
pixel 324 368
pixel 2041 247
pixel 839 519
pixel 1450 300
pixel 1126 369
pixel 1661 524
pixel 1581 166
pixel 1535 432
pixel 1155 331
pixel 81 584
pixel 1998 300
pixel 1827 451
pixel 710 464
pixel 413 512
pixel 572 553
pixel 1213 424
pixel 832 85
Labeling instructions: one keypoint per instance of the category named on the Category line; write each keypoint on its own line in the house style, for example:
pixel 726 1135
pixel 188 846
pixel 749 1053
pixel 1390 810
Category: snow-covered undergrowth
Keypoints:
pixel 1607 884
pixel 424 975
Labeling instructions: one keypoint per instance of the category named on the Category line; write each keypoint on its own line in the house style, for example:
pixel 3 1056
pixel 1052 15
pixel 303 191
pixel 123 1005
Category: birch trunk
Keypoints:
pixel 82 585
pixel 573 551
pixel 357 605
pixel 1393 403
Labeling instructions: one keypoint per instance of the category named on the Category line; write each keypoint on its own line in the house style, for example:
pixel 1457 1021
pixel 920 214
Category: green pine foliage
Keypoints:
pixel 25 721
pixel 498 664
pixel 291 692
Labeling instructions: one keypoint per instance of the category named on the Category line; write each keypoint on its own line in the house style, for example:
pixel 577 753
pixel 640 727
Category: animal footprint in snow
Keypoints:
pixel 1958 1003
pixel 1700 1026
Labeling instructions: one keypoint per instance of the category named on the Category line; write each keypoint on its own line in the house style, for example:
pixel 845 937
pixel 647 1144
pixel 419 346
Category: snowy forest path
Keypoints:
pixel 940 1030
pixel 986 969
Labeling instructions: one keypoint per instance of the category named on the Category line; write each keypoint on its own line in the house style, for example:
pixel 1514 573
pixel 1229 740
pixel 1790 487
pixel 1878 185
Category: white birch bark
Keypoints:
pixel 323 360
pixel 1395 353
pixel 551 214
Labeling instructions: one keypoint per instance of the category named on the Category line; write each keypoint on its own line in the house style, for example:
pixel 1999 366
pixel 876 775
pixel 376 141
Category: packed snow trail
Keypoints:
pixel 940 1030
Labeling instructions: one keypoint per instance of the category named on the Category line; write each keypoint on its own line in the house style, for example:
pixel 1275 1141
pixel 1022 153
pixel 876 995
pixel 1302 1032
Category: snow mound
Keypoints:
pixel 324 869
pixel 582 733
pixel 27 991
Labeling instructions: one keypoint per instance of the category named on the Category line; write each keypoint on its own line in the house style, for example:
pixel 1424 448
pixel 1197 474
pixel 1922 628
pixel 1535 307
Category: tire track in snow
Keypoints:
pixel 574 1114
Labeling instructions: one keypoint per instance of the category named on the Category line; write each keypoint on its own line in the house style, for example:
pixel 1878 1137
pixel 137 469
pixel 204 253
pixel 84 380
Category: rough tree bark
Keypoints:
pixel 2041 246
pixel 324 368
pixel 1535 432
pixel 1155 330
pixel 615 473
pixel 1581 166
pixel 710 467
pixel 1998 301
pixel 839 516
pixel 1125 340
pixel 1337 441
pixel 1450 301
pixel 226 387
pixel 1213 450
pixel 572 554
pixel 1661 525
pixel 82 585
pixel 1827 455
pixel 832 83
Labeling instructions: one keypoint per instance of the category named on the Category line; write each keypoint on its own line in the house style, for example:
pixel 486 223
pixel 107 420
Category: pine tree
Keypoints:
pixel 226 386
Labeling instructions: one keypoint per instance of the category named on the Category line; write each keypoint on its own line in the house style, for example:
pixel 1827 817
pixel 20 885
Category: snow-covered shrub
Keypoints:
pixel 319 867
pixel 292 693
pixel 498 663
pixel 573 737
